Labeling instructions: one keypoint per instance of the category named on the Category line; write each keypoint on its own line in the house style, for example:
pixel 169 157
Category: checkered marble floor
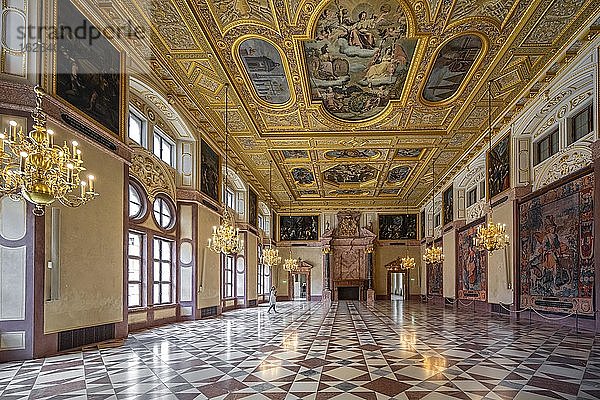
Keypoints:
pixel 308 351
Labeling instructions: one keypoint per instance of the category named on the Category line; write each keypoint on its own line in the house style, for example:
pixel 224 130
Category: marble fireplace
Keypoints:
pixel 348 262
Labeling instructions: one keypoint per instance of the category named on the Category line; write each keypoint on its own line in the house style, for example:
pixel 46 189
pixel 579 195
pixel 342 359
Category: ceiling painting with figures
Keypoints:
pixel 350 100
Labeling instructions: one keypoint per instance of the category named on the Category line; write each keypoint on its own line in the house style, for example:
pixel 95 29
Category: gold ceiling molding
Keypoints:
pixel 194 48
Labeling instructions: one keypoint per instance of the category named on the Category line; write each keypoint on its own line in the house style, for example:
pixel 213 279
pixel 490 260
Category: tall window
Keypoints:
pixel 163 214
pixel 162 272
pixel 228 272
pixel 164 148
pixel 230 198
pixel 581 124
pixel 260 267
pixel 546 147
pixel 134 269
pixel 137 128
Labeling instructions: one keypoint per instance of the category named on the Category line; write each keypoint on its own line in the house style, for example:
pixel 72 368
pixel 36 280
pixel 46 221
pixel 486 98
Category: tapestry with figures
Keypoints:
pixel 556 247
pixel 471 265
pixel 435 277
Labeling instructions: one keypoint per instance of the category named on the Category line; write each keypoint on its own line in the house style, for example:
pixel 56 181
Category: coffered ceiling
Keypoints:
pixel 351 99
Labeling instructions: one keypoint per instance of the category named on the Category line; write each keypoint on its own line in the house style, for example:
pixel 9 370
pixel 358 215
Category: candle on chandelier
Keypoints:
pixel 70 173
pixel 91 183
pixel 50 133
pixel 12 131
pixel 2 137
pixel 22 161
pixel 75 144
pixel 83 188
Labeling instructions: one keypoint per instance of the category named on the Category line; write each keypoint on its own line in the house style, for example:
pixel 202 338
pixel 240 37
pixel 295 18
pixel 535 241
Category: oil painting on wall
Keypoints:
pixel 448 205
pixel 422 219
pixel 499 167
pixel 359 57
pixel 398 226
pixel 209 171
pixel 264 67
pixel 252 208
pixel 471 265
pixel 450 67
pixel 298 227
pixel 556 247
pixel 88 70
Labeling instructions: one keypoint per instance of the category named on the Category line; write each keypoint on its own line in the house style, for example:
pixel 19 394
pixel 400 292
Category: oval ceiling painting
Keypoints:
pixel 359 57
pixel 264 67
pixel 451 66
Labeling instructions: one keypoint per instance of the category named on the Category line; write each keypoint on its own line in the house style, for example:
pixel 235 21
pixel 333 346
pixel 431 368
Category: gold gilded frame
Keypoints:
pixel 235 50
pixel 485 44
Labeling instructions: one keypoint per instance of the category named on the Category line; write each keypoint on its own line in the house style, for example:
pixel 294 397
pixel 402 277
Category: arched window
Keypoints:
pixel 163 213
pixel 136 203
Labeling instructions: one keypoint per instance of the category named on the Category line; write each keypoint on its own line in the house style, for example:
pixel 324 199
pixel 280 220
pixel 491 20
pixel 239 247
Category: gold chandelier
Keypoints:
pixel 270 256
pixel 291 264
pixel 226 237
pixel 433 254
pixel 493 236
pixel 34 168
pixel 400 264
pixel 407 262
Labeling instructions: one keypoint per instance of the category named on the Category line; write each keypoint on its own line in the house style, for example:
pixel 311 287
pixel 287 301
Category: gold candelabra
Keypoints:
pixel 271 256
pixel 291 264
pixel 400 265
pixel 34 168
pixel 433 255
pixel 408 262
pixel 491 237
pixel 225 237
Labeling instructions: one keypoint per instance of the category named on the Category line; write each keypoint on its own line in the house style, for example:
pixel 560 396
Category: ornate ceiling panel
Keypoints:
pixel 335 91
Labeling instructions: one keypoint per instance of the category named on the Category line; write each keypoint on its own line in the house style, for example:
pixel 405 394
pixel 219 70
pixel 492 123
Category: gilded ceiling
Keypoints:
pixel 351 99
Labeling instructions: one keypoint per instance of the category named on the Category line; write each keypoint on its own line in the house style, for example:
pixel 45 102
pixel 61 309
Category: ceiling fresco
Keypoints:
pixel 343 91
pixel 359 57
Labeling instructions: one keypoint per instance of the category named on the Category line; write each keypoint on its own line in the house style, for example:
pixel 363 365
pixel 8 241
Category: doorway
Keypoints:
pixel 397 286
pixel 300 287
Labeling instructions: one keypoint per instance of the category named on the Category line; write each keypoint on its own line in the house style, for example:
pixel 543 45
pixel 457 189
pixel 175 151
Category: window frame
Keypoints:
pixel 228 271
pixel 163 200
pixel 437 220
pixel 163 138
pixel 142 265
pixel 157 244
pixel 472 201
pixel 143 201
pixel 143 127
pixel 572 136
pixel 553 140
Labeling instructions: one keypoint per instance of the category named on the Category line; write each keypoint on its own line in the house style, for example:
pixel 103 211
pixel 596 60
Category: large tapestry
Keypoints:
pixel 435 276
pixel 299 227
pixel 88 68
pixel 400 226
pixel 471 266
pixel 448 205
pixel 498 164
pixel 359 57
pixel 252 208
pixel 556 244
pixel 209 171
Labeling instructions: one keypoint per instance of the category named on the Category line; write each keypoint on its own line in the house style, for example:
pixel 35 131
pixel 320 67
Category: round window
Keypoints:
pixel 163 213
pixel 136 203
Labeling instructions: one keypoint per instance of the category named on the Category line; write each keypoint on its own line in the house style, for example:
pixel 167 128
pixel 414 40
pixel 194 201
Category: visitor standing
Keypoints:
pixel 272 299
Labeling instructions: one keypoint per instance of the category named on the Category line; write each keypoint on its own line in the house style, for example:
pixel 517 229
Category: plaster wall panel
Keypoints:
pixel 449 265
pixel 91 252
pixel 500 263
pixel 209 263
pixel 251 267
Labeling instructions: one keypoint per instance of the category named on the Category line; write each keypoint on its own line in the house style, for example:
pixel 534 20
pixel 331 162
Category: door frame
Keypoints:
pixel 299 271
pixel 405 284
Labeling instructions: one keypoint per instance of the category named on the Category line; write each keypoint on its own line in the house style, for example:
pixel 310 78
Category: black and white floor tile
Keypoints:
pixel 395 350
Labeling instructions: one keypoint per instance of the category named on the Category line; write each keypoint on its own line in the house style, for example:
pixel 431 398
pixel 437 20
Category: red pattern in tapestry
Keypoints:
pixel 556 244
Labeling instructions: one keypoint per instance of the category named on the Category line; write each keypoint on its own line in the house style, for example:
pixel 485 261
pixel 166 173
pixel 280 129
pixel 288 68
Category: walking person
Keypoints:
pixel 272 299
